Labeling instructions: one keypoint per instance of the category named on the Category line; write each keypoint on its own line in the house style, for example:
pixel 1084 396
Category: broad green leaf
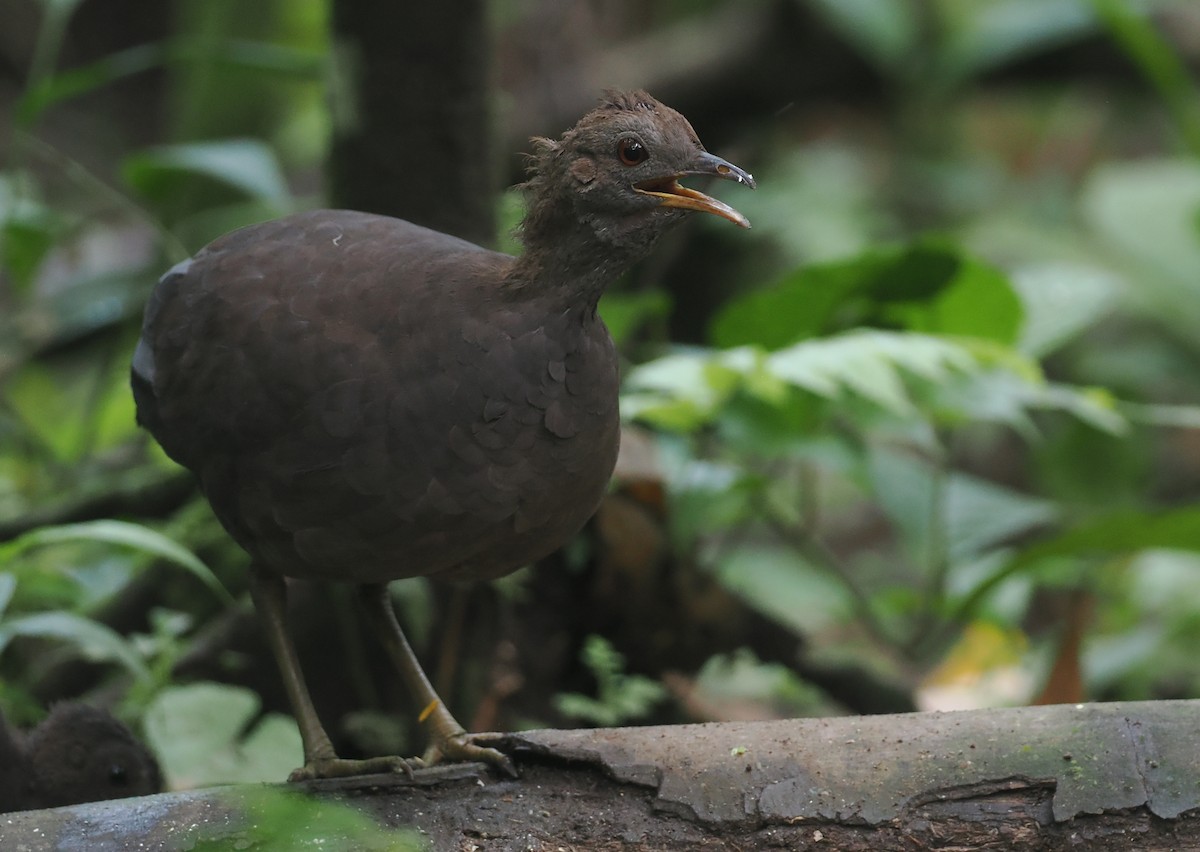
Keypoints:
pixel 93 301
pixel 122 533
pixel 1094 406
pixel 929 286
pixel 199 734
pixel 1147 211
pixel 980 514
pixel 795 308
pixel 906 489
pixel 92 638
pixel 674 415
pixel 246 165
pixel 1061 300
pixel 1120 532
pixel 1174 416
pixel 949 515
pixel 679 379
pixel 977 301
pixel 762 427
pixel 1104 536
pixel 8 585
pixel 707 497
pixel 780 583
pixel 24 242
pixel 47 407
pixel 1088 468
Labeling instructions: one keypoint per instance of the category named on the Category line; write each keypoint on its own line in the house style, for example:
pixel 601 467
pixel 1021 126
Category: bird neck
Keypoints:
pixel 575 257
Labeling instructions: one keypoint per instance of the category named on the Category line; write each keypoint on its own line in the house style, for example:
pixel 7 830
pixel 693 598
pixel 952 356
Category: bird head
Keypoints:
pixel 620 166
pixel 83 754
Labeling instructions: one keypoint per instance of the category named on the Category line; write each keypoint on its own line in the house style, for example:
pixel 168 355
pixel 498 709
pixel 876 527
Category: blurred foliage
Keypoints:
pixel 620 697
pixel 272 818
pixel 965 379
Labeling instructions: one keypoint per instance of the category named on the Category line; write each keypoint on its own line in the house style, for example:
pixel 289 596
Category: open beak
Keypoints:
pixel 672 194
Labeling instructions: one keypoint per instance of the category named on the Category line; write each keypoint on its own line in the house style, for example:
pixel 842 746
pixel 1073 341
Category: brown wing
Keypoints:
pixel 359 400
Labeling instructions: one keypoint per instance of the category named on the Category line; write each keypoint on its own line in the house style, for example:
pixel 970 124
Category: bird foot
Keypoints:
pixel 336 767
pixel 470 747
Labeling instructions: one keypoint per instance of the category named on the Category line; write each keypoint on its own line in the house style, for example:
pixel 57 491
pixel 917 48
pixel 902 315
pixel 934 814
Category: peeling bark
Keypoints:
pixel 1114 776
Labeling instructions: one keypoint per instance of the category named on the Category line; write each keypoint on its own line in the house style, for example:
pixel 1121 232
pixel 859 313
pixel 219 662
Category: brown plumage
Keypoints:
pixel 364 399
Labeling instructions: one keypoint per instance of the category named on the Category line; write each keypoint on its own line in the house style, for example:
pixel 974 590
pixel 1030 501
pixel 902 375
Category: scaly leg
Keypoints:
pixel 269 593
pixel 448 740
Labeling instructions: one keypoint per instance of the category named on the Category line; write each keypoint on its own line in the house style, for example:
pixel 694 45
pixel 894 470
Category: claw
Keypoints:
pixel 336 767
pixel 465 747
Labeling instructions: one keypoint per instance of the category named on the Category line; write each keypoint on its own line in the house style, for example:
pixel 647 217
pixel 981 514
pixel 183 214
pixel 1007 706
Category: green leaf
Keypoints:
pixel 869 363
pixel 8 585
pixel 273 817
pixel 246 165
pixel 1121 532
pixel 976 301
pixel 198 732
pixel 674 391
pixel 928 286
pixel 1106 535
pixel 24 242
pixel 1146 210
pixel 795 308
pixel 93 639
pixel 625 313
pixel 47 407
pixel 122 533
pixel 780 583
pixel 980 514
pixel 1061 300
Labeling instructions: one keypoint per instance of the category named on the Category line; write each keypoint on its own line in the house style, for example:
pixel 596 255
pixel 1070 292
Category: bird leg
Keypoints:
pixel 448 739
pixel 269 593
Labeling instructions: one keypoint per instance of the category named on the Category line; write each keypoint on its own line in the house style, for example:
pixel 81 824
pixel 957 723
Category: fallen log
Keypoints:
pixel 1093 776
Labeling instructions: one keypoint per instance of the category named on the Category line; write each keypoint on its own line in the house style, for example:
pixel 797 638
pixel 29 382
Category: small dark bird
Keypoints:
pixel 77 754
pixel 364 399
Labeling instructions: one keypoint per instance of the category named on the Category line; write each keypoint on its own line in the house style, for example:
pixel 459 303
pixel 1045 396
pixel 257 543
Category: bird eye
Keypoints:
pixel 117 775
pixel 632 152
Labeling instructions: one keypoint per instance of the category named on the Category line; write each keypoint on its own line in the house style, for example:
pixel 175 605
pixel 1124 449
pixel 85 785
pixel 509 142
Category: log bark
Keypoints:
pixel 1098 776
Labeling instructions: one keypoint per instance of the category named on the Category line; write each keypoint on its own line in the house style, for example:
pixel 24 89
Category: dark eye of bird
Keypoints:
pixel 117 775
pixel 632 152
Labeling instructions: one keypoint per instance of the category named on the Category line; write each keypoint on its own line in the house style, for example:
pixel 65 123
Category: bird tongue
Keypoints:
pixel 674 194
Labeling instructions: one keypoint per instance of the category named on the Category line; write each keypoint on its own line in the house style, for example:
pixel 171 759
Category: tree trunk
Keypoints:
pixel 410 111
pixel 1100 776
